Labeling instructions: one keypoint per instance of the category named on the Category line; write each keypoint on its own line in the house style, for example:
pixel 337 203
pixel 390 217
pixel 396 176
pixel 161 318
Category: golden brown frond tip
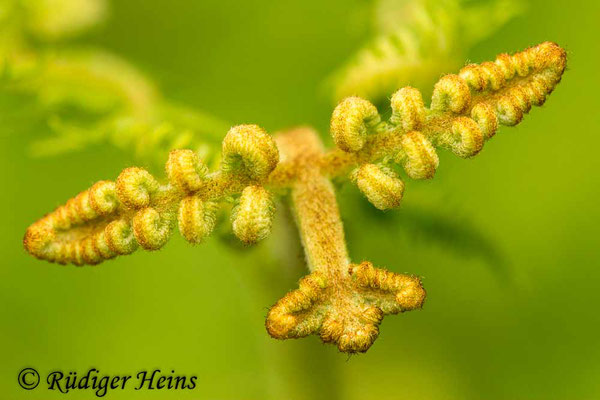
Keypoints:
pixel 344 309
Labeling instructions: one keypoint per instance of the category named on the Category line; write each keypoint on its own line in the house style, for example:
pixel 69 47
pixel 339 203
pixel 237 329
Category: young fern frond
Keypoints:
pixel 341 301
pixel 115 218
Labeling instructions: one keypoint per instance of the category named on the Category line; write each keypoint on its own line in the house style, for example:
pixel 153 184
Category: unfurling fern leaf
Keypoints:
pixel 341 301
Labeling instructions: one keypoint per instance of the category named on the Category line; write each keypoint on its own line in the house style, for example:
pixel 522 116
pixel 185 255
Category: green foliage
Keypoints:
pixel 414 42
pixel 89 95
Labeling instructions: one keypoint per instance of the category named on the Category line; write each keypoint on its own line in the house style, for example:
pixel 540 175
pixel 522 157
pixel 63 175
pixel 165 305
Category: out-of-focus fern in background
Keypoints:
pixel 72 88
pixel 414 43
pixel 89 95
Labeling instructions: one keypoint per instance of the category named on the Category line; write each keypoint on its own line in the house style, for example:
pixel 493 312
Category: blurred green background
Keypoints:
pixel 507 243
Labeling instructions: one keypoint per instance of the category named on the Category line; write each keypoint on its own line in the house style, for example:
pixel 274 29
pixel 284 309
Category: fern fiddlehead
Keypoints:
pixel 341 301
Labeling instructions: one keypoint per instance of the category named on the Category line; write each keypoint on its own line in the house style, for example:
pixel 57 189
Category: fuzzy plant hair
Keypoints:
pixel 341 301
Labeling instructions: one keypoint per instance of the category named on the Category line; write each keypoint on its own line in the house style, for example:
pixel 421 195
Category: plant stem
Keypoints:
pixel 314 203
